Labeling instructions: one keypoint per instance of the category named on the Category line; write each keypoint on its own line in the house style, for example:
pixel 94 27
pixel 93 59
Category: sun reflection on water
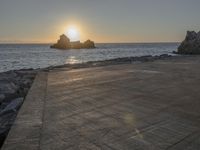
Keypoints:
pixel 72 60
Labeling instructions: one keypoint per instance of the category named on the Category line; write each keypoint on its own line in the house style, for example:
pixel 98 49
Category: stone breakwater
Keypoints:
pixel 14 86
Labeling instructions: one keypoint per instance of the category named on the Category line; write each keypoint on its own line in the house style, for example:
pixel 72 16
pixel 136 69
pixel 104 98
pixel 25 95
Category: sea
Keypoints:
pixel 26 56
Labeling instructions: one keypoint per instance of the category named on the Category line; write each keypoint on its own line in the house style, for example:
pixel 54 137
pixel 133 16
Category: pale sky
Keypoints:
pixel 98 20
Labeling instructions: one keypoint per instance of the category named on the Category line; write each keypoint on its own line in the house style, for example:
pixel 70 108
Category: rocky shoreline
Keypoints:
pixel 115 61
pixel 14 86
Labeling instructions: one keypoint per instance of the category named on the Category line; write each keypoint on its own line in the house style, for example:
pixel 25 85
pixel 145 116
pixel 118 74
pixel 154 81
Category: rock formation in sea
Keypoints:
pixel 64 43
pixel 191 44
pixel 88 44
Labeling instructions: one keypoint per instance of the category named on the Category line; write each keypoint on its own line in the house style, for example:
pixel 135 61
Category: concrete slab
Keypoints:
pixel 147 106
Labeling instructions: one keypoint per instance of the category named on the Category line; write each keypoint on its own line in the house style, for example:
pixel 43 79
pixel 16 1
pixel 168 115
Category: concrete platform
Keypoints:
pixel 145 106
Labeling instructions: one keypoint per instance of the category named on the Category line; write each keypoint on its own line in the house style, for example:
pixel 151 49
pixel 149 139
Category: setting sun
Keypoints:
pixel 73 33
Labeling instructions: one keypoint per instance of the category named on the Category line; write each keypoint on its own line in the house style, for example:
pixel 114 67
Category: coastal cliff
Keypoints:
pixel 64 43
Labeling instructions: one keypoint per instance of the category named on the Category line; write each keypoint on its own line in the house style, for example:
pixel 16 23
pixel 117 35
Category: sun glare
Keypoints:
pixel 73 34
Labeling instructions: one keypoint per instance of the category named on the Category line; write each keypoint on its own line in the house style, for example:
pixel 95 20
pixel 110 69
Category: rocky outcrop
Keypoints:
pixel 88 44
pixel 64 43
pixel 191 44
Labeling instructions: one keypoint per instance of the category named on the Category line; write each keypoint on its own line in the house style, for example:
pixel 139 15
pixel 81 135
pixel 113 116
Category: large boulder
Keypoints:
pixel 191 44
pixel 13 106
pixel 7 87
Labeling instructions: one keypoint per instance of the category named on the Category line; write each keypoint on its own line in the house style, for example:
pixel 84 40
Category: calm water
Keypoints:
pixel 19 56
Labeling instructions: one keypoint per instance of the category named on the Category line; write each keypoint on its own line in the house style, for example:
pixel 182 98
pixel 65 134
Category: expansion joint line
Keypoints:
pixel 43 112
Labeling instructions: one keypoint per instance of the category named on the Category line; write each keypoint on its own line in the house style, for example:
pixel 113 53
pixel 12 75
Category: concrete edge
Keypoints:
pixel 25 132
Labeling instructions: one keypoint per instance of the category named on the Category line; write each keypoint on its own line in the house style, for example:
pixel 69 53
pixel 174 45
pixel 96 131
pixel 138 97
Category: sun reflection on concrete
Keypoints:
pixel 130 120
pixel 138 133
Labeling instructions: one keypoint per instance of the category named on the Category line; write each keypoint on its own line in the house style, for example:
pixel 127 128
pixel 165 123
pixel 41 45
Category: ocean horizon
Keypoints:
pixel 16 56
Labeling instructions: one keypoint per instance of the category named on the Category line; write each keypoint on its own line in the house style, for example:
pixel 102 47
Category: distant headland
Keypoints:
pixel 64 43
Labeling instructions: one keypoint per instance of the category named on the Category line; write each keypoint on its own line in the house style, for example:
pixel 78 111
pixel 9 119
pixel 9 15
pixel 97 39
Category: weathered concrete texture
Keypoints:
pixel 146 106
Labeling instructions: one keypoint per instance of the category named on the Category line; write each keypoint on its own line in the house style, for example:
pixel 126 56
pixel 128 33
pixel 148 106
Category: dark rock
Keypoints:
pixel 164 56
pixel 191 44
pixel 145 58
pixel 13 106
pixel 7 117
pixel 64 43
pixel 2 97
pixel 7 87
pixel 6 122
pixel 175 52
